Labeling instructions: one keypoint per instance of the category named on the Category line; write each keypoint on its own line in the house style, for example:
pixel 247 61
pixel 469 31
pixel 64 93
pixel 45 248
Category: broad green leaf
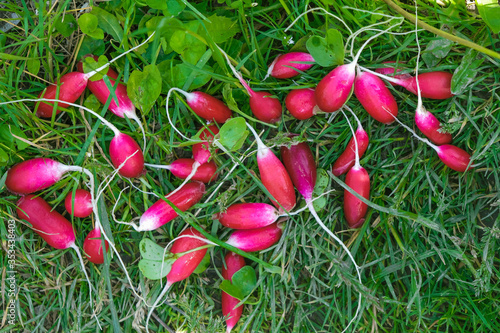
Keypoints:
pixel 144 88
pixel 151 250
pixel 189 47
pixel 177 75
pixel 322 182
pixel 91 46
pixel 66 25
pixel 33 66
pixel 108 22
pixel 21 145
pixel 227 93
pixel 4 157
pixel 203 264
pixel 233 133
pixel 89 65
pixel 174 7
pixel 88 24
pixel 154 264
pixel 157 4
pixel 92 103
pixel 5 137
pixel 490 13
pixel 436 50
pixel 328 51
pixel 243 283
pixel 465 72
pixel 221 28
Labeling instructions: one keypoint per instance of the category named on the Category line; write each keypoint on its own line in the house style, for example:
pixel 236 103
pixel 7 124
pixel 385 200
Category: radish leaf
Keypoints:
pixel 243 283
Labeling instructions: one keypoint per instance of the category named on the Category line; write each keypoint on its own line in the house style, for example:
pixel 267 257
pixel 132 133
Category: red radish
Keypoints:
pixel 435 85
pixel 285 65
pixel 248 216
pixel 251 240
pixel 92 246
pixel 161 212
pixel 37 174
pixel 391 71
pixel 347 159
pixel 375 97
pixel 262 103
pixel 50 225
pixel 201 152
pixel 274 176
pixel 428 124
pixel 231 312
pixel 184 265
pixel 335 88
pixel 71 86
pixel 81 200
pixel 301 103
pixel 122 106
pixel 183 167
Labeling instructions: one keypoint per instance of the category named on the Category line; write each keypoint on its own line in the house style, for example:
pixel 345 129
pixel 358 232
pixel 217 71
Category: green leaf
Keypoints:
pixel 174 7
pixel 189 47
pixel 33 66
pixel 178 74
pixel 466 72
pixel 322 182
pixel 436 50
pixel 89 65
pixel 108 22
pixel 233 133
pixel 328 51
pixel 221 28
pixel 144 88
pixel 157 4
pixel 88 24
pixel 66 25
pixel 227 93
pixel 92 103
pixel 91 46
pixel 244 282
pixel 203 264
pixel 154 264
pixel 5 137
pixel 4 157
pixel 8 56
pixel 490 13
pixel 21 145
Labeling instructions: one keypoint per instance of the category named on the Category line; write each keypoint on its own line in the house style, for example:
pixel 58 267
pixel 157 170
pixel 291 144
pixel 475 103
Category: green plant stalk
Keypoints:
pixel 441 33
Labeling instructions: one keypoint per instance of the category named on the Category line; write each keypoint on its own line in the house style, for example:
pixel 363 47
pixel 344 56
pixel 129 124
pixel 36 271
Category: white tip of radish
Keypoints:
pixel 271 67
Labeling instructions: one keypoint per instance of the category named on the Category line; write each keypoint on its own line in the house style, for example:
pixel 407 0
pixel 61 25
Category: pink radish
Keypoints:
pixel 390 71
pixel 187 242
pixel 428 124
pixel 301 103
pixel 183 167
pixel 357 179
pixel 285 65
pixel 376 99
pixel 92 246
pixel 435 85
pixel 251 240
pixel 231 312
pixel 274 176
pixel 347 159
pixel 71 86
pixel 161 212
pixel 335 88
pixel 50 225
pixel 262 103
pixel 81 200
pixel 248 216
pixel 122 106
pixel 37 174
pixel 299 162
pixel 201 152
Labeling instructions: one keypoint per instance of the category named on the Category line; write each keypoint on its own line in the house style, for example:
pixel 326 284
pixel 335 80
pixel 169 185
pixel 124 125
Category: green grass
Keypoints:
pixel 429 248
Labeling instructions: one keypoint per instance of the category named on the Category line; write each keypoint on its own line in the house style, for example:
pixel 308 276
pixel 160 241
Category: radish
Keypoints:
pixel 299 162
pixel 161 212
pixel 301 103
pixel 231 312
pixel 122 106
pixel 79 204
pixel 274 176
pixel 50 225
pixel 286 65
pixel 122 147
pixel 347 159
pixel 37 174
pixel 183 167
pixel 435 85
pixel 251 240
pixel 201 152
pixel 185 264
pixel 92 246
pixel 335 88
pixel 392 72
pixel 247 216
pixel 262 103
pixel 376 99
pixel 70 87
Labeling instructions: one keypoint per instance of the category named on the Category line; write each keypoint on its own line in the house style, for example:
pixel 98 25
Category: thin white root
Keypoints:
pixel 356 150
pixel 325 12
pixel 163 292
pixel 385 77
pixel 313 212
pixel 138 121
pixel 158 166
pixel 196 165
pixel 122 222
pixel 433 146
pixel 168 114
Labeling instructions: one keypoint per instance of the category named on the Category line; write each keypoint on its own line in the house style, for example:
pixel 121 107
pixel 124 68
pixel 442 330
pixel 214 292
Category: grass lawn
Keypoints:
pixel 427 252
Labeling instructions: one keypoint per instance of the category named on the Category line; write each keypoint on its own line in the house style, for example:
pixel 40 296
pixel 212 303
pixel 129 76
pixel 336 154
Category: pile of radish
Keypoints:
pixel 256 226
